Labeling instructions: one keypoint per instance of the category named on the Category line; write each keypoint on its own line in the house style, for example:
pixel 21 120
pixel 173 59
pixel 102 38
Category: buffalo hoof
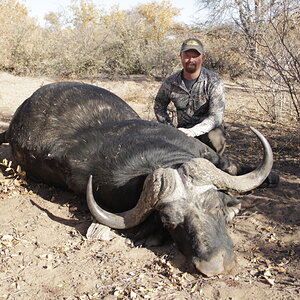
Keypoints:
pixel 100 232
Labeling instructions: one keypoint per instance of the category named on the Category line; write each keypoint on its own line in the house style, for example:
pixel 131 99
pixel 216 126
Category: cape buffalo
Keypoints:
pixel 86 139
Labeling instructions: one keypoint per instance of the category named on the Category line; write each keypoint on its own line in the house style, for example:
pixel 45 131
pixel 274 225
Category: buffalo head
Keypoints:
pixel 193 206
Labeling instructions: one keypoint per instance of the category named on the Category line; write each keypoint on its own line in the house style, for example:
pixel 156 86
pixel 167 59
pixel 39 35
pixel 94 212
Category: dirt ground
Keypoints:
pixel 45 255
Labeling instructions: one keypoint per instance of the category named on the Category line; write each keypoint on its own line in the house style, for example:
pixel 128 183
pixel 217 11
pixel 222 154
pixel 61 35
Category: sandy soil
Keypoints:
pixel 45 255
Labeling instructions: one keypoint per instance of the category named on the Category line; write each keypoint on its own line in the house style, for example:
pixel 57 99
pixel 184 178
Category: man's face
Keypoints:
pixel 191 61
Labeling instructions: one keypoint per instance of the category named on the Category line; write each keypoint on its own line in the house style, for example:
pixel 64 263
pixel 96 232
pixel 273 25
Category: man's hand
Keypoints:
pixel 188 132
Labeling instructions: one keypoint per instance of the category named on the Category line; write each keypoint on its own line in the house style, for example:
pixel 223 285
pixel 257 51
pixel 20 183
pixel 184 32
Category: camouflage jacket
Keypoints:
pixel 201 109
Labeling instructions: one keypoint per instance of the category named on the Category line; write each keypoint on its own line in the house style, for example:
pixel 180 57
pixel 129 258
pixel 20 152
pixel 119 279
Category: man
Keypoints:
pixel 198 95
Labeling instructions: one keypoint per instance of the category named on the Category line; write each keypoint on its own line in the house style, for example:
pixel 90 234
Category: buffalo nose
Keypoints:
pixel 222 262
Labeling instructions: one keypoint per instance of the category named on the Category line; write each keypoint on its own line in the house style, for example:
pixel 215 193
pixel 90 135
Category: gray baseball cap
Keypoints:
pixel 192 44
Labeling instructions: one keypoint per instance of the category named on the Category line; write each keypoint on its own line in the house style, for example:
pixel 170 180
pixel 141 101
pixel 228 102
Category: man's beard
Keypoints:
pixel 191 68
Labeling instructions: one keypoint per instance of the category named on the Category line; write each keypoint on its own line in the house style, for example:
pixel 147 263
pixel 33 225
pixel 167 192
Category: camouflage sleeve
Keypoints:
pixel 216 110
pixel 161 103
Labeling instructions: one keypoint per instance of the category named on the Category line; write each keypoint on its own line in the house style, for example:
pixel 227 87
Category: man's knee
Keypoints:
pixel 217 139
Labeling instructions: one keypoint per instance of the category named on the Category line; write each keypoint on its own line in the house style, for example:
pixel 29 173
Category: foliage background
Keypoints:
pixel 243 38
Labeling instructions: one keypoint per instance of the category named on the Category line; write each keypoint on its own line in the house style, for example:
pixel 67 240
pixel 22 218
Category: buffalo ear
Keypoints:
pixel 229 200
pixel 232 206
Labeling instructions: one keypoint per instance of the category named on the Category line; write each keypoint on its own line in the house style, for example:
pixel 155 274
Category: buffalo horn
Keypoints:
pixel 203 171
pixel 132 217
pixel 251 180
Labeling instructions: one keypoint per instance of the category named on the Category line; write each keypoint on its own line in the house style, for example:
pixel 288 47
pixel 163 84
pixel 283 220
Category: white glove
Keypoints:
pixel 188 132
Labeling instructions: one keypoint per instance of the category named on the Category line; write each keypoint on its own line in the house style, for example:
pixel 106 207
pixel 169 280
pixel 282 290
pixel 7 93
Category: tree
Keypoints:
pixel 84 40
pixel 276 62
pixel 7 6
pixel 53 21
pixel 270 31
pixel 138 40
pixel 15 30
pixel 159 17
pixel 85 12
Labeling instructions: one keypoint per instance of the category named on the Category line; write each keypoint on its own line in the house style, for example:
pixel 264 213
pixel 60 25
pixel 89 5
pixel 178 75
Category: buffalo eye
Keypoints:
pixel 168 223
pixel 171 216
